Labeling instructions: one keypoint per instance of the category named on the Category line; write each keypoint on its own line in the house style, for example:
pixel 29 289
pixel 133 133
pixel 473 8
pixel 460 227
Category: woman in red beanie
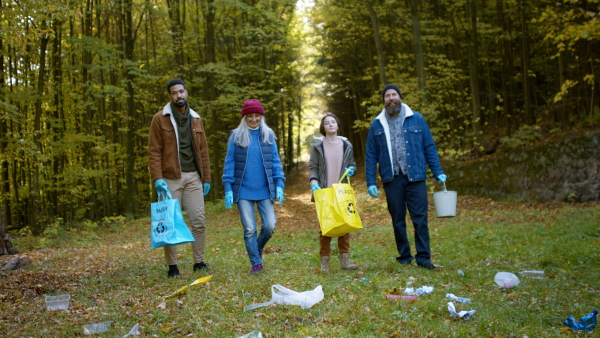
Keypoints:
pixel 253 175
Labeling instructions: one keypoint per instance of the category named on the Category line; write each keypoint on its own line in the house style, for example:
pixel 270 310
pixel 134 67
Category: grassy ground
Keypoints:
pixel 112 275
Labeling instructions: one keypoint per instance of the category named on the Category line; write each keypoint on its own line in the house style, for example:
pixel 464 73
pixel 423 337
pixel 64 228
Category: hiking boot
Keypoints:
pixel 256 269
pixel 405 262
pixel 173 271
pixel 345 262
pixel 200 266
pixel 428 266
pixel 324 263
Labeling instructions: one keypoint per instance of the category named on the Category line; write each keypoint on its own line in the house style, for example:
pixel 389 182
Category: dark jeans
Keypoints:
pixel 400 194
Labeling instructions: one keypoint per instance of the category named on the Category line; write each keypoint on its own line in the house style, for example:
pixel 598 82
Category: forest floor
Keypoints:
pixel 111 274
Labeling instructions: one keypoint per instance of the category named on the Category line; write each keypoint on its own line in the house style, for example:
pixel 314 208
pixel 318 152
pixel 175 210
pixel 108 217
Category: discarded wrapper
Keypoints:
pixel 461 314
pixel 253 334
pixel 134 331
pixel 587 323
pixel 458 299
pixel 284 296
pixel 423 290
pixel 184 290
pixel 406 298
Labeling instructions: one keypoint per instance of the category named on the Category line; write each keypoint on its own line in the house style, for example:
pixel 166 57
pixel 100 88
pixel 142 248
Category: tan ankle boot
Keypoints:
pixel 345 262
pixel 324 263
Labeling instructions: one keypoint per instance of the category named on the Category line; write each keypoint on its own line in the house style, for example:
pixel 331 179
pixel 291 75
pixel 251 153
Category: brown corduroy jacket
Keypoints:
pixel 163 146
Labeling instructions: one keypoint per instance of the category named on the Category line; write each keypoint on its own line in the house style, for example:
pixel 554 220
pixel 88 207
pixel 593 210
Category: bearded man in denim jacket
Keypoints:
pixel 400 142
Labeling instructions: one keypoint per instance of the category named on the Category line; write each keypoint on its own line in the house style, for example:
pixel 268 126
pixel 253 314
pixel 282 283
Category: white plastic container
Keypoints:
pixel 506 279
pixel 535 274
pixel 60 302
pixel 96 328
pixel 445 203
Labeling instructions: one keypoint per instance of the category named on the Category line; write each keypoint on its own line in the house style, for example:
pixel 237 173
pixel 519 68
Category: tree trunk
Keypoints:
pixel 420 62
pixel 131 111
pixel 474 73
pixel 37 131
pixel 177 29
pixel 380 59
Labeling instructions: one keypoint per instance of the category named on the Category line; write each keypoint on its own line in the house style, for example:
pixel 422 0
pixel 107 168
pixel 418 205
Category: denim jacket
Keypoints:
pixel 420 149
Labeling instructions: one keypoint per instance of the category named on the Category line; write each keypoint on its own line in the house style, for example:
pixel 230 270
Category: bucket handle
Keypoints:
pixel 444 183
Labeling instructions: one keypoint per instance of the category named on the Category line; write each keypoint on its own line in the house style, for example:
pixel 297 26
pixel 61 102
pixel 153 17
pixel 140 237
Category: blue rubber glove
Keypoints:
pixel 228 199
pixel 351 172
pixel 206 188
pixel 373 191
pixel 280 195
pixel 315 187
pixel 161 186
pixel 442 178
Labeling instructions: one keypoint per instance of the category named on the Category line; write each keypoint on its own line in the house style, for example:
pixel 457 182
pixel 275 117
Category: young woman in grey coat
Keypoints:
pixel 330 156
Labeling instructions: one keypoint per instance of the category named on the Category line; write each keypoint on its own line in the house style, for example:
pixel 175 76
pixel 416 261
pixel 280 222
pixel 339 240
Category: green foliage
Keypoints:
pixel 523 137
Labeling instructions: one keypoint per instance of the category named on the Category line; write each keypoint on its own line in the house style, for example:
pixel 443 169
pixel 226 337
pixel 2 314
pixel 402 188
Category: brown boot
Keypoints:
pixel 324 263
pixel 345 262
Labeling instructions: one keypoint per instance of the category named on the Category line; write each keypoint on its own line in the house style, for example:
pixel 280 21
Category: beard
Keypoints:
pixel 181 103
pixel 393 110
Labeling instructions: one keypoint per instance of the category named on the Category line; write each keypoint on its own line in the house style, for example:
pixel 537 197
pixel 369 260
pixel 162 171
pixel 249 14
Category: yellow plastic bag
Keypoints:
pixel 336 209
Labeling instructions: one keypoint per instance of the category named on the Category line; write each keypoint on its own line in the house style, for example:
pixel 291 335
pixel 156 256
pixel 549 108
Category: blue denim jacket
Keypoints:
pixel 420 149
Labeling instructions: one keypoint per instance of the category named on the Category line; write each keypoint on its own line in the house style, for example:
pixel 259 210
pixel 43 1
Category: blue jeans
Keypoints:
pixel 266 210
pixel 400 194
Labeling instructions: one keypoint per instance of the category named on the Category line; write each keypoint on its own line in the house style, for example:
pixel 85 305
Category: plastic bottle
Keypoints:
pixel 535 274
pixel 97 328
pixel 506 279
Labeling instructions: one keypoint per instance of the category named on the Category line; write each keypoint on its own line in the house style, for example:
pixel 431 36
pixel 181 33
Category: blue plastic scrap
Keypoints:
pixel 587 323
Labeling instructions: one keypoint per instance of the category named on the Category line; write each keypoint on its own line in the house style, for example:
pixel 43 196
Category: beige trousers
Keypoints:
pixel 190 193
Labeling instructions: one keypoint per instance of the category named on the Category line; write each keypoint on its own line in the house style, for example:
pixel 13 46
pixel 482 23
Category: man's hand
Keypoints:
pixel 161 186
pixel 228 199
pixel 442 178
pixel 373 191
pixel 280 195
pixel 206 187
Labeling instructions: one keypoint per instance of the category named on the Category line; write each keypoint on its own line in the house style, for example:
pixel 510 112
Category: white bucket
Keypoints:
pixel 445 203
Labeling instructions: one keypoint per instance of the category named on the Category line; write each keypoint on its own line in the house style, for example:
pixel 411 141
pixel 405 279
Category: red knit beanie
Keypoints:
pixel 252 107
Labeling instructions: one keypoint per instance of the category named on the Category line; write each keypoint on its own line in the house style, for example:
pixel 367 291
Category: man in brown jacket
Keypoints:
pixel 178 161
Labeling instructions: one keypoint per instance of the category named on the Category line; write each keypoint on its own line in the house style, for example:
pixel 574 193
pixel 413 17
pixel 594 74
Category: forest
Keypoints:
pixel 81 79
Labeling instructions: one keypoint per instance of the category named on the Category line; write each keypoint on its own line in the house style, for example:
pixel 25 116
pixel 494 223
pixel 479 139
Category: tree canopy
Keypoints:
pixel 80 81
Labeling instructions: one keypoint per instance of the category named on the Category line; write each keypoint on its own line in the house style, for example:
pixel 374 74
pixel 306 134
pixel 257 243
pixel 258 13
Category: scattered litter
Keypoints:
pixel 461 273
pixel 423 290
pixel 461 314
pixel 134 331
pixel 96 328
pixel 285 296
pixel 535 274
pixel 506 279
pixel 363 280
pixel 184 290
pixel 60 302
pixel 458 299
pixel 406 298
pixel 587 323
pixel 253 334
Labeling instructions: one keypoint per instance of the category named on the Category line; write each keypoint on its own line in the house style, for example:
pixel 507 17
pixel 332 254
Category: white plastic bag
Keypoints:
pixel 284 296
pixel 506 279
